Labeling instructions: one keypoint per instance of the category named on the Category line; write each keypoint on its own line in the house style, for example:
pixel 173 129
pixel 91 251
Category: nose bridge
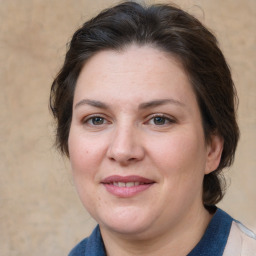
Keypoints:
pixel 125 145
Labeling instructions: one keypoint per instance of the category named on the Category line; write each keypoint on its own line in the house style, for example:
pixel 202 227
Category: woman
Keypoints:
pixel 145 110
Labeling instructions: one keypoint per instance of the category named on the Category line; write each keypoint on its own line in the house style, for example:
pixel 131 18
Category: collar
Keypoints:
pixel 215 237
pixel 212 243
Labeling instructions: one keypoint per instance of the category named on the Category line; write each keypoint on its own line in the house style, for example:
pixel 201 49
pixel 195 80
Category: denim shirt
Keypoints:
pixel 212 243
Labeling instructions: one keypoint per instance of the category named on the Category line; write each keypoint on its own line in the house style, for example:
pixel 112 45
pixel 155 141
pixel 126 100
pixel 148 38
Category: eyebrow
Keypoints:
pixel 155 103
pixel 93 103
pixel 145 105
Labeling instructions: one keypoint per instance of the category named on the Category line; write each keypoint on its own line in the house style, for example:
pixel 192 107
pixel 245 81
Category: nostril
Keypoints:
pixel 131 159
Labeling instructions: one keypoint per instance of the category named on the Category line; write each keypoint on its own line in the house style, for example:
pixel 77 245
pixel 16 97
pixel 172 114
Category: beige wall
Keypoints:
pixel 40 213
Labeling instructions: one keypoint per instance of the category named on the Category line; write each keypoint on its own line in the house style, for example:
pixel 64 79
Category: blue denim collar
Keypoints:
pixel 212 243
pixel 216 236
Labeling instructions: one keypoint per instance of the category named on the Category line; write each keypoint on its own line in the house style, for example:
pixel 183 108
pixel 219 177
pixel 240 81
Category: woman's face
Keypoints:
pixel 136 142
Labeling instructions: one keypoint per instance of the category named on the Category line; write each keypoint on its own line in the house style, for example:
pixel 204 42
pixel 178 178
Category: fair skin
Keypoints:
pixel 135 121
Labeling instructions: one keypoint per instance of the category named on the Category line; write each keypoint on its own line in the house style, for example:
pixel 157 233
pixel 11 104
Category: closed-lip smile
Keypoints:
pixel 126 186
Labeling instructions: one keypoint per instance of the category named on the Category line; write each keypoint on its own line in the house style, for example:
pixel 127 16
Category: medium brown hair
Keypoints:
pixel 176 32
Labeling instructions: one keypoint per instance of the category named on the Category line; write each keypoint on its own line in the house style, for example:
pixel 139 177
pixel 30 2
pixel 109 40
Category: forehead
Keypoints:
pixel 137 71
pixel 145 57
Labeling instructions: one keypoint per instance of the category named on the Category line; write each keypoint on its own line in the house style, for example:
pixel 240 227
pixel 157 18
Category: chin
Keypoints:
pixel 126 223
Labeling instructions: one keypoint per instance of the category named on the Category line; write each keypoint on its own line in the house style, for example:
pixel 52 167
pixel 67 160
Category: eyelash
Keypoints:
pixel 89 120
pixel 162 116
pixel 167 120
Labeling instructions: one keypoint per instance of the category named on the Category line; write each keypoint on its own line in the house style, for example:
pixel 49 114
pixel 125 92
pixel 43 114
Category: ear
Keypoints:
pixel 214 152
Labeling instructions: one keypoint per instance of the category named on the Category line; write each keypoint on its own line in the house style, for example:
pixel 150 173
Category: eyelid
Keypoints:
pixel 169 118
pixel 90 117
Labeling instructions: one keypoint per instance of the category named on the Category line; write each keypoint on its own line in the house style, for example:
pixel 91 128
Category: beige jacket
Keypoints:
pixel 241 241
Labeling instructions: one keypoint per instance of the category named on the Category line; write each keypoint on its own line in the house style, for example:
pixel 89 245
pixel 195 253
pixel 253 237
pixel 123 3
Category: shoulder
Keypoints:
pixel 241 241
pixel 248 240
pixel 79 249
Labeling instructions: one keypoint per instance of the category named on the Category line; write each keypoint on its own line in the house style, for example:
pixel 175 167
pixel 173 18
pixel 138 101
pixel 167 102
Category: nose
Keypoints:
pixel 126 146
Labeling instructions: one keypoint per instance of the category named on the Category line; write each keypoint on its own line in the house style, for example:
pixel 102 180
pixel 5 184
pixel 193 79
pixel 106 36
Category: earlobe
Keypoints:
pixel 214 152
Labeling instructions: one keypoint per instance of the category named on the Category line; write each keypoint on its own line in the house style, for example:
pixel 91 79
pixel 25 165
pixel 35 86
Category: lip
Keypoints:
pixel 131 178
pixel 126 192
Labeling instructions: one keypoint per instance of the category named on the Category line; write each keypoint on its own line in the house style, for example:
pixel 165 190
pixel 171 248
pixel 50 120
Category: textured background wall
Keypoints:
pixel 40 213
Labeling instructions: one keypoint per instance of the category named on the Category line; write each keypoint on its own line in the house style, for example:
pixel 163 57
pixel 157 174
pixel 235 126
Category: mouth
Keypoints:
pixel 126 186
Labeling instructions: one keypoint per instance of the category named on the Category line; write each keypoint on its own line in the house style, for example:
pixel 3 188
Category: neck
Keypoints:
pixel 178 241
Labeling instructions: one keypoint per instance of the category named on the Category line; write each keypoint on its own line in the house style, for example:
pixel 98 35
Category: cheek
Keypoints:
pixel 82 159
pixel 83 151
pixel 182 155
